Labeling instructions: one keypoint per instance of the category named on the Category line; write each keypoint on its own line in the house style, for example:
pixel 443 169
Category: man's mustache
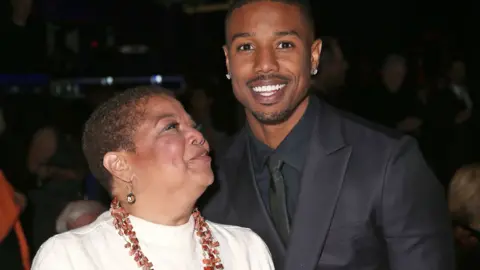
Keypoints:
pixel 267 77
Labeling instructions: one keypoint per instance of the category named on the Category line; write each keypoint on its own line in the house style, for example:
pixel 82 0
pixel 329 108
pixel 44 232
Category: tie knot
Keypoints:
pixel 275 164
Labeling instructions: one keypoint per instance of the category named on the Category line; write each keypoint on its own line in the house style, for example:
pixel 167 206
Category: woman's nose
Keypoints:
pixel 195 137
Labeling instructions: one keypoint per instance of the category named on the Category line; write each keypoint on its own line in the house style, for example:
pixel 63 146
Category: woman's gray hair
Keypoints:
pixel 76 209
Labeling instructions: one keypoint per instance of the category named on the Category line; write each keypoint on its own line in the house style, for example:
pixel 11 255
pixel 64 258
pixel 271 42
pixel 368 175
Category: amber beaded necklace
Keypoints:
pixel 121 221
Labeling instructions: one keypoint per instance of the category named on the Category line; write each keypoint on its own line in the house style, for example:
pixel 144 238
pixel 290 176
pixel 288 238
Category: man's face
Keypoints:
pixel 270 56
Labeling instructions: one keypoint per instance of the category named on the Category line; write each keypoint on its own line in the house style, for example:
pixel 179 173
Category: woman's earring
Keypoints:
pixel 131 198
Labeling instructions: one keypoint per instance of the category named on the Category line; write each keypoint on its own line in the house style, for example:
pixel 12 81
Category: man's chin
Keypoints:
pixel 272 118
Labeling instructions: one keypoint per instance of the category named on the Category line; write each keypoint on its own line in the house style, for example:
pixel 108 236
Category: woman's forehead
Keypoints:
pixel 164 105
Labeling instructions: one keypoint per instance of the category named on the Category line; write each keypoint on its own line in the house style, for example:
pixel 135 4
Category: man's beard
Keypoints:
pixel 273 118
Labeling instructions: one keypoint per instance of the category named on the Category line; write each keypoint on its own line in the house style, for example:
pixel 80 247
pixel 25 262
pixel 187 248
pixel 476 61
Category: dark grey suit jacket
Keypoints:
pixel 367 201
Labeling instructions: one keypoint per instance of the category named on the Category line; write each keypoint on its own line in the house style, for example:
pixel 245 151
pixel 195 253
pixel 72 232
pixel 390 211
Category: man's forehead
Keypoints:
pixel 265 15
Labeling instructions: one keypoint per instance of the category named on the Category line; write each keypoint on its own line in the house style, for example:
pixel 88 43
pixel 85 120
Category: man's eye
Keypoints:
pixel 285 45
pixel 171 126
pixel 245 47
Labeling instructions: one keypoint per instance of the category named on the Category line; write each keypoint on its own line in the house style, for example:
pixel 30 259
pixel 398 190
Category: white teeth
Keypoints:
pixel 268 90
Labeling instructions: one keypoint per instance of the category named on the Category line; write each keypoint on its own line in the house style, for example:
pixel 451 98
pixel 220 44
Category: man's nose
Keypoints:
pixel 266 61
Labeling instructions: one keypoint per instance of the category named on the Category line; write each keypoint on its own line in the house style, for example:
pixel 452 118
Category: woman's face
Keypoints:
pixel 171 158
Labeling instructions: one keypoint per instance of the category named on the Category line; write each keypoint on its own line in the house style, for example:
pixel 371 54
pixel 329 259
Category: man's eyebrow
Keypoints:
pixel 287 33
pixel 240 35
pixel 278 34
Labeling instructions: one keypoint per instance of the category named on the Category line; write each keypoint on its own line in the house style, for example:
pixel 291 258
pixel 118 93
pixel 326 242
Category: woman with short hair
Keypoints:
pixel 145 149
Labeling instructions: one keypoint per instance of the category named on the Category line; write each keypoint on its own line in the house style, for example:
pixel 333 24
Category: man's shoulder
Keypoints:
pixel 356 129
pixel 356 125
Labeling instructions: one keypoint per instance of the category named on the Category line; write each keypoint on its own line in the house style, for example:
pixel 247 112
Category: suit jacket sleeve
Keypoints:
pixel 414 216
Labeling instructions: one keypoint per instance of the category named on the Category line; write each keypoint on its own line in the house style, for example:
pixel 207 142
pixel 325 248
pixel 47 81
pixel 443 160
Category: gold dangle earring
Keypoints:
pixel 130 196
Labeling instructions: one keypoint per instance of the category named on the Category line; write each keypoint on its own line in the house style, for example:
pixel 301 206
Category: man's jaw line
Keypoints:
pixel 273 134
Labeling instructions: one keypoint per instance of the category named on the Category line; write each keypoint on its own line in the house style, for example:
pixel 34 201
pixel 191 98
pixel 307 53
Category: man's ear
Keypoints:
pixel 117 164
pixel 227 61
pixel 315 53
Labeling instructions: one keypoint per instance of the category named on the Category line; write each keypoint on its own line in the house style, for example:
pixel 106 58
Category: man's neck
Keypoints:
pixel 273 135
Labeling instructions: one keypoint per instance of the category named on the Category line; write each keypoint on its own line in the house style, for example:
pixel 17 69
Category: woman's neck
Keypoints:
pixel 169 216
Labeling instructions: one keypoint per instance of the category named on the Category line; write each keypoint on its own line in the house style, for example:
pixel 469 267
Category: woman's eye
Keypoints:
pixel 245 47
pixel 171 126
pixel 285 45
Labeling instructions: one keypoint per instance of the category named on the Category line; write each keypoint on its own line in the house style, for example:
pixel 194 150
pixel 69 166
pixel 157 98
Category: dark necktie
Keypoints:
pixel 277 198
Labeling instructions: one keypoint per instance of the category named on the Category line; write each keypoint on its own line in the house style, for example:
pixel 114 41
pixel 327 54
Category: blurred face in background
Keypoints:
pixel 199 100
pixel 458 72
pixel 333 71
pixel 394 72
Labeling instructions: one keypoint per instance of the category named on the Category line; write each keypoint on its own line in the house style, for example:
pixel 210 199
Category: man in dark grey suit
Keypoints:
pixel 324 190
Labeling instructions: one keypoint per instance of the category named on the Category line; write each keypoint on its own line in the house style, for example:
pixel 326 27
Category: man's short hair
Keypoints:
pixel 112 125
pixel 304 6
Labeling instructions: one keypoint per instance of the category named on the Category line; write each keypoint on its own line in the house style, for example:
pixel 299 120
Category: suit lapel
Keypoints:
pixel 249 207
pixel 321 184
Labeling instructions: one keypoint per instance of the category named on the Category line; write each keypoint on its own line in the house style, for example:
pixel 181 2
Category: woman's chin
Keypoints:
pixel 203 178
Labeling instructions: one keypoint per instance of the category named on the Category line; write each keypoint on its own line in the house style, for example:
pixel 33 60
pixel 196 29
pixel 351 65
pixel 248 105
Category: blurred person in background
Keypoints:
pixel 145 150
pixel 464 205
pixel 457 78
pixel 78 214
pixel 15 48
pixel 452 122
pixel 329 83
pixel 394 102
pixel 14 250
pixel 199 104
pixel 57 166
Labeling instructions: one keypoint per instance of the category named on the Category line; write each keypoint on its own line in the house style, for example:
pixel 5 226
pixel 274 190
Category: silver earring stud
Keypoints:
pixel 315 71
pixel 228 76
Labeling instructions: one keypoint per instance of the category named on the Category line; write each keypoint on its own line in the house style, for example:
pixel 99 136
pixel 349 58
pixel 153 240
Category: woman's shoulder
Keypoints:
pixel 57 250
pixel 240 240
pixel 237 233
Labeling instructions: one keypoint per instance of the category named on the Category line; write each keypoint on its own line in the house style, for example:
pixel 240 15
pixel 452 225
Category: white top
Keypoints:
pixel 99 246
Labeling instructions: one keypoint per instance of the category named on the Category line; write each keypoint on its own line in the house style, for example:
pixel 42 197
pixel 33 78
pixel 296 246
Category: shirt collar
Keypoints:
pixel 294 148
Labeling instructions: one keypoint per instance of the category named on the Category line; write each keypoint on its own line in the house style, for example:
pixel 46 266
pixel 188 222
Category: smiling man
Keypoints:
pixel 324 190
